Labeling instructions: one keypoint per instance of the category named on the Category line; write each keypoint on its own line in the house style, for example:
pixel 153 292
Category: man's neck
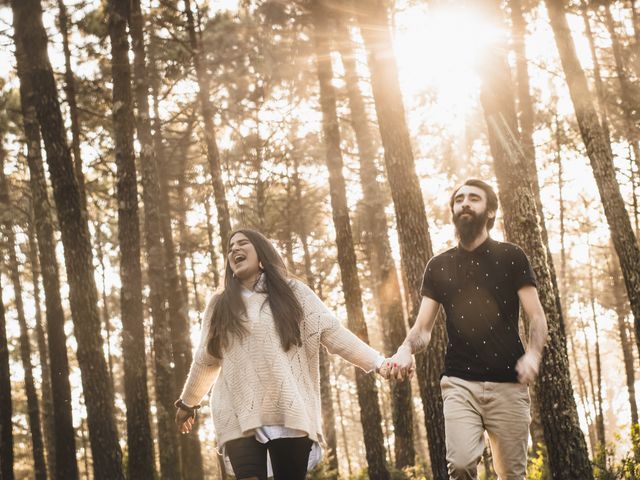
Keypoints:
pixel 476 242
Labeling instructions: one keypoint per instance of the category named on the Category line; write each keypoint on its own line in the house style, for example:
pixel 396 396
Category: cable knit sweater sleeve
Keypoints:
pixel 204 368
pixel 338 339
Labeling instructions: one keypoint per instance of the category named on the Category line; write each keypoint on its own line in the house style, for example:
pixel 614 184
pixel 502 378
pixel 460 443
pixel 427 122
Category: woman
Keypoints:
pixel 260 345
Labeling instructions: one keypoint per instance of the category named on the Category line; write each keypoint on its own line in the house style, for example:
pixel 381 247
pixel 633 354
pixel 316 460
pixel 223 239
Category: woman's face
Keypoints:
pixel 243 258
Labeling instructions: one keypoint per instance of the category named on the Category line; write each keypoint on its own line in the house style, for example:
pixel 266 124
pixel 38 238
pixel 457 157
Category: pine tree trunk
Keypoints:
pixel 386 285
pixel 70 92
pixel 140 444
pixel 601 158
pixel 213 155
pixel 106 313
pixel 621 308
pixel 6 409
pixel 628 103
pixel 30 33
pixel 33 408
pixel 46 395
pixel 164 376
pixel 365 383
pixel 565 443
pixel 64 439
pixel 413 228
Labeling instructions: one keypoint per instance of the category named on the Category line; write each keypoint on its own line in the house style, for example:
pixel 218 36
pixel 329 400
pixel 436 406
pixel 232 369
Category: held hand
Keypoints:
pixel 184 420
pixel 528 366
pixel 400 366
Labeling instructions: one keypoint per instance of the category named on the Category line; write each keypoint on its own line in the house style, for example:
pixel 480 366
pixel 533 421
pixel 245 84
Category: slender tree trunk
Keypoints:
pixel 365 383
pixel 213 155
pixel 385 277
pixel 628 103
pixel 106 315
pixel 70 92
pixel 33 409
pixel 601 93
pixel 211 246
pixel 46 395
pixel 567 449
pixel 6 409
pixel 64 439
pixel 600 414
pixel 342 427
pixel 601 158
pixel 413 228
pixel 140 443
pixel 30 34
pixel 164 376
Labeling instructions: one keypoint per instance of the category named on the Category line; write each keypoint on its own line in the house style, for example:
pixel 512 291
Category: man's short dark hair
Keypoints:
pixel 492 198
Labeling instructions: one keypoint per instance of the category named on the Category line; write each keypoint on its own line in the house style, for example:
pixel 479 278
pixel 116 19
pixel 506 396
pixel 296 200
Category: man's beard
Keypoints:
pixel 469 228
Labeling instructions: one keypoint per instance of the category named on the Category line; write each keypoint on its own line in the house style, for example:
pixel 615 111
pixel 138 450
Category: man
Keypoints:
pixel 480 283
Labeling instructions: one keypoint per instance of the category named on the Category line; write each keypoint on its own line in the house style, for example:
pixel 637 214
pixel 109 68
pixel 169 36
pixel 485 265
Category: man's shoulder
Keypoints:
pixel 506 248
pixel 443 256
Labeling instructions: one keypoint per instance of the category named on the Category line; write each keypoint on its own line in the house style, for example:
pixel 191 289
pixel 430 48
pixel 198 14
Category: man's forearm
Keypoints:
pixel 537 334
pixel 416 340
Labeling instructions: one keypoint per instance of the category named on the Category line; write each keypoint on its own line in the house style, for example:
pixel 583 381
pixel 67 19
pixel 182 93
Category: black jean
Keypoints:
pixel 289 457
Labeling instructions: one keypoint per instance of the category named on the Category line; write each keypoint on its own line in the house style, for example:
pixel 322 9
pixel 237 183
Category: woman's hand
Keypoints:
pixel 185 416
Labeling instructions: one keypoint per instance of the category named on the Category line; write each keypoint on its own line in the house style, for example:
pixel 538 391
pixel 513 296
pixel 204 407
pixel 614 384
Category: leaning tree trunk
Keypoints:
pixel 567 449
pixel 64 464
pixel 6 409
pixel 365 383
pixel 601 158
pixel 164 375
pixel 33 409
pixel 381 264
pixel 213 155
pixel 31 35
pixel 413 228
pixel 140 463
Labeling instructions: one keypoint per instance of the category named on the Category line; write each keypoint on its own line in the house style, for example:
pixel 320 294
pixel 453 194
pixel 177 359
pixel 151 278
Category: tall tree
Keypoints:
pixel 601 158
pixel 213 154
pixel 365 383
pixel 31 35
pixel 141 462
pixel 43 355
pixel 164 380
pixel 413 229
pixel 33 407
pixel 6 407
pixel 383 269
pixel 567 449
pixel 65 465
pixel 70 92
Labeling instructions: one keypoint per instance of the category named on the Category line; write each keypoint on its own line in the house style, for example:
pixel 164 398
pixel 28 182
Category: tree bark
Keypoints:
pixel 601 158
pixel 567 449
pixel 70 92
pixel 46 395
pixel 6 409
pixel 365 383
pixel 413 228
pixel 33 408
pixel 385 278
pixel 140 444
pixel 30 33
pixel 213 155
pixel 164 376
pixel 64 464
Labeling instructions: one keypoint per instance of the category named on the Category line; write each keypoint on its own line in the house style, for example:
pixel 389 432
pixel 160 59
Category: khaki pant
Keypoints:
pixel 470 408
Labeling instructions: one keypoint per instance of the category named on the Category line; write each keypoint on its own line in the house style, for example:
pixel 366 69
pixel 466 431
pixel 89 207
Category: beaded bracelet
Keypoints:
pixel 183 406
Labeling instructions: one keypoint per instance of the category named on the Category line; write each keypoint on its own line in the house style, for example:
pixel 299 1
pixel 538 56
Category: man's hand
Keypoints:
pixel 400 366
pixel 528 366
pixel 184 420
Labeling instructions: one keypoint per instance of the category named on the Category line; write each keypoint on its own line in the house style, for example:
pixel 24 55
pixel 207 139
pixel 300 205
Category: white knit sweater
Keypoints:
pixel 258 383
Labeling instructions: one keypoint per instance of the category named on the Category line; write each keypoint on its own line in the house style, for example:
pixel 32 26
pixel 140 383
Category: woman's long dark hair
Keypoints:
pixel 229 309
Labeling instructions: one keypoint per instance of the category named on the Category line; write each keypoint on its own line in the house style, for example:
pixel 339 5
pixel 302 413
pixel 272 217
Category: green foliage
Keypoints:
pixel 628 468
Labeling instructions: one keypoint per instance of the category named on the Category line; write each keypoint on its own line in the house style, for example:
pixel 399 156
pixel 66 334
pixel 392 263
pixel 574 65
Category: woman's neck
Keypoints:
pixel 250 282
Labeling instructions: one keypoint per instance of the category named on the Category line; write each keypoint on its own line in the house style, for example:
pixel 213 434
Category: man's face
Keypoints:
pixel 470 214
